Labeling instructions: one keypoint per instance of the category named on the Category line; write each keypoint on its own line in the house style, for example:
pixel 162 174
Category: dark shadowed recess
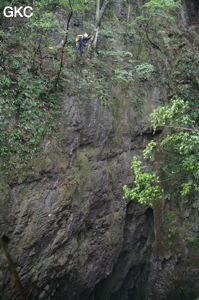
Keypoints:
pixel 129 277
pixel 193 11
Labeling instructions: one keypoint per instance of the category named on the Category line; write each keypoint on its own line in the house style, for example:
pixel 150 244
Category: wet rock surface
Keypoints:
pixel 69 227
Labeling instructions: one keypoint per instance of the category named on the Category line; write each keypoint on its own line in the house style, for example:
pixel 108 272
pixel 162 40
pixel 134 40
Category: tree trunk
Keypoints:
pixel 98 17
pixel 128 11
pixel 13 269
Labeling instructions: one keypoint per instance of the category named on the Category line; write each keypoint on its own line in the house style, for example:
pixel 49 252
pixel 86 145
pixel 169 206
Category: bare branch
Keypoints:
pixel 182 128
pixel 103 9
pixel 99 15
pixel 64 44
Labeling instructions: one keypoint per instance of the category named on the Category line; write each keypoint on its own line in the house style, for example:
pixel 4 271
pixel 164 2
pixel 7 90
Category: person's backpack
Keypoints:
pixel 78 37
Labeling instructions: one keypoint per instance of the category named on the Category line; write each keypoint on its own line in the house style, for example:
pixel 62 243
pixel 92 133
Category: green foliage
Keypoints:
pixel 194 241
pixel 181 142
pixel 171 236
pixel 28 105
pixel 176 114
pixel 29 64
pixel 107 32
pixel 52 4
pixel 181 158
pixel 158 13
pixel 186 72
pixel 144 71
pixel 147 152
pixel 146 189
pixel 120 74
pixel 187 187
pixel 170 215
pixel 153 26
pixel 27 110
pixel 96 86
pixel 123 75
pixel 161 8
pixel 4 3
pixel 178 146
pixel 118 54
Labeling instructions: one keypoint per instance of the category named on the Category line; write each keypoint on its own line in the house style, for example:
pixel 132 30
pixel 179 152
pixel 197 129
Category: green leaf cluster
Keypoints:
pixel 146 188
pixel 181 141
pixel 29 107
pixel 123 75
pixel 27 110
pixel 179 147
pixel 161 8
pixel 144 70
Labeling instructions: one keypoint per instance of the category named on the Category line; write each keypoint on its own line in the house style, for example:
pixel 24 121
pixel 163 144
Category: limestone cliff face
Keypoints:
pixel 72 235
pixel 69 227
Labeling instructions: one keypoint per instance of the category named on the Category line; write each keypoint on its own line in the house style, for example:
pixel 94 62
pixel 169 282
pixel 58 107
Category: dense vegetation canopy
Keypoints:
pixel 177 176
